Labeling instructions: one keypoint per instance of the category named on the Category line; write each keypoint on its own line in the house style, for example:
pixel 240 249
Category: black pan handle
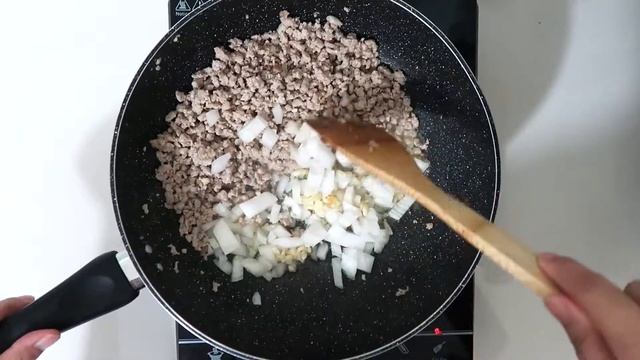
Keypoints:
pixel 99 287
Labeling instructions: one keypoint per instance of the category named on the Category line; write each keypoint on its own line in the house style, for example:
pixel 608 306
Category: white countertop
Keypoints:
pixel 562 78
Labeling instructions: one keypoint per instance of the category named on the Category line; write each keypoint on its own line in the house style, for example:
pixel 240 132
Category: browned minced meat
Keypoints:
pixel 310 69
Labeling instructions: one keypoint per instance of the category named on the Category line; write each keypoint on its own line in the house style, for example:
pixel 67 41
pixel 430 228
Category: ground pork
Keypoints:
pixel 310 70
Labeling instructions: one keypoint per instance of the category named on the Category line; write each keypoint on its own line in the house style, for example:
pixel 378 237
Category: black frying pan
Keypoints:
pixel 366 317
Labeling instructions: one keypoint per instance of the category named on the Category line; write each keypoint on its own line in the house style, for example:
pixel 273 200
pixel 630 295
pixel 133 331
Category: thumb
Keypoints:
pixel 30 346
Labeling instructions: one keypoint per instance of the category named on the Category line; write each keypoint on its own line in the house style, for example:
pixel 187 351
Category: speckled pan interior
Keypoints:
pixel 303 315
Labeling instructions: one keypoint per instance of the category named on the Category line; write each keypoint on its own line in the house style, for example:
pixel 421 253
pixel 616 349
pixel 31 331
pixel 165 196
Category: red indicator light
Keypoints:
pixel 437 331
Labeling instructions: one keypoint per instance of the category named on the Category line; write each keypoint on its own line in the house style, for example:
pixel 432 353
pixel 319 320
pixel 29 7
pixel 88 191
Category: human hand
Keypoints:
pixel 602 321
pixel 30 346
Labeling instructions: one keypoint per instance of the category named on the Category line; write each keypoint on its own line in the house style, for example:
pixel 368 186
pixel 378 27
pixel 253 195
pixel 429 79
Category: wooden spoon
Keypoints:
pixel 382 155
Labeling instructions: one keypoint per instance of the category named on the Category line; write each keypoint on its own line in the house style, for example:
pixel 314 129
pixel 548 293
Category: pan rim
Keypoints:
pixel 174 314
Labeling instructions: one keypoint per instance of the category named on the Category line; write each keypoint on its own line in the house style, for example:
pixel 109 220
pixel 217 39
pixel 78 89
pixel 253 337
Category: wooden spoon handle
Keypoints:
pixel 390 161
pixel 510 254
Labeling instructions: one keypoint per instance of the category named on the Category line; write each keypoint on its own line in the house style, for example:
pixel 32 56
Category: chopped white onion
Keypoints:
pixel 247 241
pixel 359 171
pixel 357 200
pixel 401 207
pixel 278 231
pixel 268 252
pixel 365 262
pixel 219 254
pixel 313 182
pixel 350 262
pixel 349 216
pixel 340 236
pixel 208 227
pixel 332 216
pixel 314 234
pixel 226 238
pixel 274 215
pixel 314 218
pixel 269 138
pixel 305 132
pixel 241 251
pixel 296 190
pixel 357 228
pixel 286 242
pixel 370 225
pixel 248 231
pixel 283 183
pixel 253 250
pixel 313 253
pixel 336 250
pixel 256 299
pixel 266 263
pixel 279 270
pixel 322 250
pixel 337 273
pixel 368 247
pixel 382 192
pixel 252 129
pixel 305 215
pixel 255 267
pixel 212 117
pixel 218 165
pixel 235 227
pixel 236 212
pixel 352 230
pixel 261 236
pixel 335 233
pixel 348 196
pixel 334 20
pixel 387 228
pixel 303 159
pixel 258 204
pixel 296 211
pixel 373 216
pixel 213 243
pixel 224 265
pixel 271 235
pixel 277 113
pixel 237 271
pixel 385 197
pixel 422 165
pixel 324 157
pixel 343 179
pixel 292 128
pixel 320 155
pixel 343 159
pixel 328 183
pixel 221 210
pixel 381 241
